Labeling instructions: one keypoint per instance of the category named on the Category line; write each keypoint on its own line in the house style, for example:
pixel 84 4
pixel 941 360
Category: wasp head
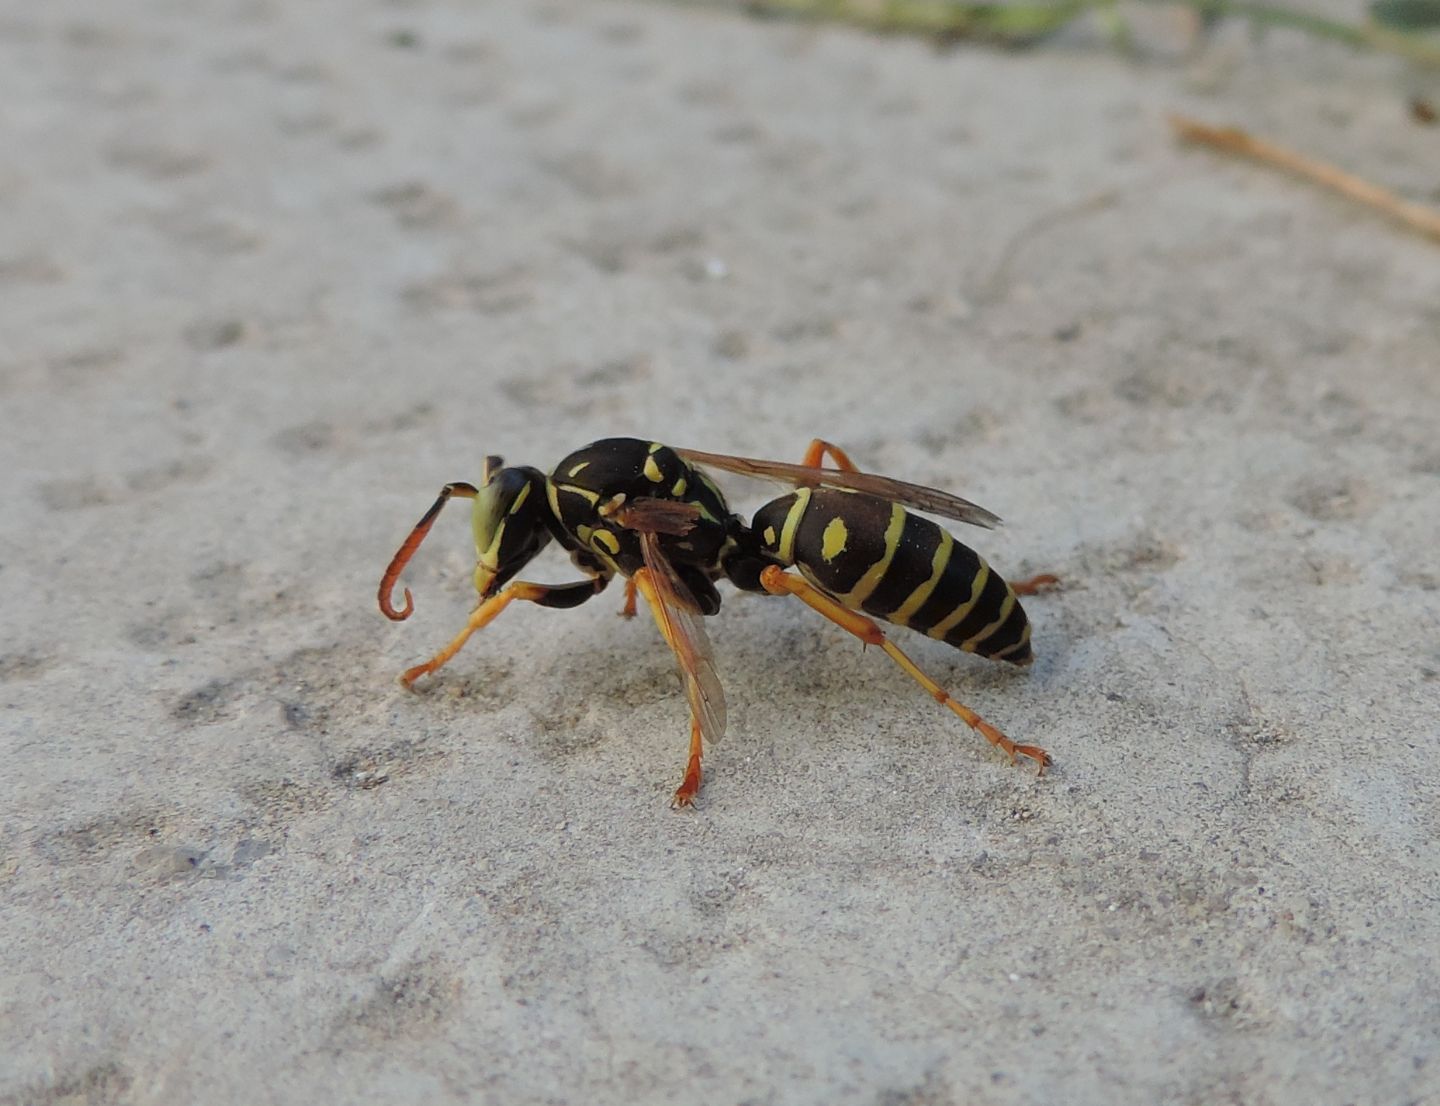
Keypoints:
pixel 510 520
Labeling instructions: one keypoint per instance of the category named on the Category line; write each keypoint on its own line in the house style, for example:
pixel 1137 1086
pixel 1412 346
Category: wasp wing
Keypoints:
pixel 883 487
pixel 658 516
pixel 682 624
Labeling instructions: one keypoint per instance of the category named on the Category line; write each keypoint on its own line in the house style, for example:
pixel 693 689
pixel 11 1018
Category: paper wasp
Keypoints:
pixel 650 513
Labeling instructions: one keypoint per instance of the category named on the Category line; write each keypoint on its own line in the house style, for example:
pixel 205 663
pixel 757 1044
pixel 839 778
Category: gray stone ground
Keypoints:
pixel 271 273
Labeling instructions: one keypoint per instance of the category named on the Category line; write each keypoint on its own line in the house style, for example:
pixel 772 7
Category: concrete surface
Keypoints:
pixel 271 273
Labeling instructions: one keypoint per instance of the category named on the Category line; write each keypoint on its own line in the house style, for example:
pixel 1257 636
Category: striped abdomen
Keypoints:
pixel 875 556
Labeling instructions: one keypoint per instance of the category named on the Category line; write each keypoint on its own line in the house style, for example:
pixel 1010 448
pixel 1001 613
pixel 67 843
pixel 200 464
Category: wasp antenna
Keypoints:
pixel 407 550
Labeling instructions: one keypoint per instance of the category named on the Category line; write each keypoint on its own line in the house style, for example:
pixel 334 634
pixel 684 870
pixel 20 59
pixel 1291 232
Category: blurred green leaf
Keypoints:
pixel 1406 15
pixel 1019 23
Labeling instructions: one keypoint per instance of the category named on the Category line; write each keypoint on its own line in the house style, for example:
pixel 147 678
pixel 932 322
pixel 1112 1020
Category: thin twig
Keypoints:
pixel 1232 140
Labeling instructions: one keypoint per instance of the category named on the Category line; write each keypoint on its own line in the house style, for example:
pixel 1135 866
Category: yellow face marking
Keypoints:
pixel 490 555
pixel 519 500
pixel 951 620
pixel 770 536
pixel 652 470
pixel 1006 607
pixel 656 447
pixel 607 541
pixel 576 470
pixel 868 582
pixel 832 541
pixel 786 550
pixel 679 488
pixel 919 595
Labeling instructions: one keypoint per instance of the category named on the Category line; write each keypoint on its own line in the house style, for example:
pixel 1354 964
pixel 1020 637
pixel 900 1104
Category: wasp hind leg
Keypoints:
pixel 815 456
pixel 778 582
pixel 545 595
pixel 1035 585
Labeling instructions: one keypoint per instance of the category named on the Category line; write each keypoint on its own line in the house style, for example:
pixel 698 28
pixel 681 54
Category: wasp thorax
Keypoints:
pixel 509 522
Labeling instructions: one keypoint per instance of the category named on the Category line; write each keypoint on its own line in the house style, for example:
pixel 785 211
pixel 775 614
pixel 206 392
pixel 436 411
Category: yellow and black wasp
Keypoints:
pixel 650 513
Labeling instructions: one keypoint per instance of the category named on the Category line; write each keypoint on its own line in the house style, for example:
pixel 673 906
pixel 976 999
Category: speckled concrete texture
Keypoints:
pixel 272 273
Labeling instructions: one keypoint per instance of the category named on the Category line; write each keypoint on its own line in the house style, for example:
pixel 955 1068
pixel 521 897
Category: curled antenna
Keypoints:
pixel 412 543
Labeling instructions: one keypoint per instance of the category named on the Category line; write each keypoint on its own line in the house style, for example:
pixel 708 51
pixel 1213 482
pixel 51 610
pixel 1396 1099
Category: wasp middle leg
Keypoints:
pixel 777 581
pixel 703 692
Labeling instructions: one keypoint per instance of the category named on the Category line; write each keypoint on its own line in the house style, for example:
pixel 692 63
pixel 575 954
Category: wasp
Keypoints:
pixel 651 514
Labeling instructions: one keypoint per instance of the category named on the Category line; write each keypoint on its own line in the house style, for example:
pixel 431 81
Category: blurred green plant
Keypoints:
pixel 1406 15
pixel 1394 26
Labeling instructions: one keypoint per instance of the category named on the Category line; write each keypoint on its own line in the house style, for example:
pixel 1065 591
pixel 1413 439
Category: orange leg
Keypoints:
pixel 815 456
pixel 486 612
pixel 778 582
pixel 628 611
pixel 702 689
pixel 690 785
pixel 1036 584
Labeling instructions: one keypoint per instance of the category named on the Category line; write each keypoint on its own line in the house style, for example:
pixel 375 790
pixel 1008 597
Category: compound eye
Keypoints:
pixel 492 466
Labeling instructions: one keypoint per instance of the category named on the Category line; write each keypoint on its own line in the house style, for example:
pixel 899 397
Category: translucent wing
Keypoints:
pixel 658 516
pixel 884 487
pixel 682 624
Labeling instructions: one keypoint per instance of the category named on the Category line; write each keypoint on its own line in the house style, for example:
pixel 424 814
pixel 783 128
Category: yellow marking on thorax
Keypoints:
pixel 832 541
pixel 576 470
pixel 917 597
pixel 652 470
pixel 583 493
pixel 868 582
pixel 607 540
pixel 786 549
pixel 679 488
pixel 951 620
pixel 769 536
pixel 972 643
pixel 705 511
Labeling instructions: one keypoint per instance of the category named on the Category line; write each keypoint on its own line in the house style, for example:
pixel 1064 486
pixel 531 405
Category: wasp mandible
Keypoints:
pixel 651 514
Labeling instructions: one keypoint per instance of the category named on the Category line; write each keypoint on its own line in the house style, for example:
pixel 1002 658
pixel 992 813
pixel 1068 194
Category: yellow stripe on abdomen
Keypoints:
pixel 973 642
pixel 872 576
pixel 901 615
pixel 951 620
pixel 786 548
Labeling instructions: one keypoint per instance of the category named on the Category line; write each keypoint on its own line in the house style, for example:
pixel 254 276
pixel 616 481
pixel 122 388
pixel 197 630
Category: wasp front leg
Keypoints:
pixel 545 595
